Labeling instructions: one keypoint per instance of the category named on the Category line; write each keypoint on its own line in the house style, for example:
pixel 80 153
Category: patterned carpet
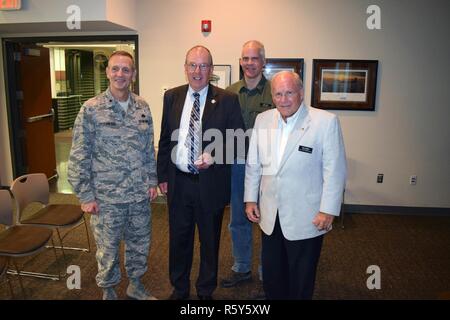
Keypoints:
pixel 412 253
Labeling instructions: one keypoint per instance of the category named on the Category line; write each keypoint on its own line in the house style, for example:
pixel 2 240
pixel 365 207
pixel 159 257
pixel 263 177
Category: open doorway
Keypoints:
pixel 75 70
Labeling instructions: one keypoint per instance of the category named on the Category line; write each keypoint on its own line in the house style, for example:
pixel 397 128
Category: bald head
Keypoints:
pixel 199 49
pixel 289 75
pixel 287 93
pixel 198 67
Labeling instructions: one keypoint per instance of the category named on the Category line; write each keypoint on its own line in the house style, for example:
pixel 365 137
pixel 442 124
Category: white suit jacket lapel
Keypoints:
pixel 300 127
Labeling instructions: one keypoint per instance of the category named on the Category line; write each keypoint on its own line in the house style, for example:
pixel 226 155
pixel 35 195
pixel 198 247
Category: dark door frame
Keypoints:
pixel 11 82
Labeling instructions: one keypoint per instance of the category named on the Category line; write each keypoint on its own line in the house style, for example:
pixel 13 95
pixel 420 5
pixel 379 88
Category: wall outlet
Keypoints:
pixel 413 180
pixel 380 178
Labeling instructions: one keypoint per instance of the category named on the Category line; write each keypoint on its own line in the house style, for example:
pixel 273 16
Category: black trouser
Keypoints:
pixel 289 267
pixel 184 213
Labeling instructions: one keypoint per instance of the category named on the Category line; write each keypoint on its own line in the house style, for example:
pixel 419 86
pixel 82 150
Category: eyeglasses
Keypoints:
pixel 287 94
pixel 193 66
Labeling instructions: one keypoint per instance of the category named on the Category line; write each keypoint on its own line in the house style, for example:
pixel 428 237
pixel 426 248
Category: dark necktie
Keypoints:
pixel 193 137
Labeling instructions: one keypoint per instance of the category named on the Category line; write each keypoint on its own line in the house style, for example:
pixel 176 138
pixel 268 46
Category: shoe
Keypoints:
pixel 202 297
pixel 136 291
pixel 235 279
pixel 175 296
pixel 109 294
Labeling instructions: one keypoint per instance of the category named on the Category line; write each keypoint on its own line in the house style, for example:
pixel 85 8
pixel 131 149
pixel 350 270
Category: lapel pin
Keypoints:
pixel 213 101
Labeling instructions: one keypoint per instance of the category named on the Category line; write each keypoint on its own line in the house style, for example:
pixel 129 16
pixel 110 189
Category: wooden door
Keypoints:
pixel 37 113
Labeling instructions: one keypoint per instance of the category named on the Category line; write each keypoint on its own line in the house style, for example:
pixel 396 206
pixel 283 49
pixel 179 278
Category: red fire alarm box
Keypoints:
pixel 10 5
pixel 206 25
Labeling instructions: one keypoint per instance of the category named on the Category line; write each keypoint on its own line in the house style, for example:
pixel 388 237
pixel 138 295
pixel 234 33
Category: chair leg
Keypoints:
pixel 62 247
pixel 10 286
pixel 56 259
pixel 20 280
pixel 37 274
pixel 7 278
pixel 87 234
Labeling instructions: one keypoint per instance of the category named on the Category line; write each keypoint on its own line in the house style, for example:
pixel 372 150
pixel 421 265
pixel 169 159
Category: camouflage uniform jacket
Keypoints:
pixel 112 157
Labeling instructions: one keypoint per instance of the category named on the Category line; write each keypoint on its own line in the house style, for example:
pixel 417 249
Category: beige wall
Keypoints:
pixel 122 12
pixel 407 134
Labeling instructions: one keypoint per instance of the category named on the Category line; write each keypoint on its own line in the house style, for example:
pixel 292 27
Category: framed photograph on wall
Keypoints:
pixel 344 84
pixel 221 76
pixel 274 65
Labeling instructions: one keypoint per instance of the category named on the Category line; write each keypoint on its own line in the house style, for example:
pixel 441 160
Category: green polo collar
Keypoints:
pixel 259 87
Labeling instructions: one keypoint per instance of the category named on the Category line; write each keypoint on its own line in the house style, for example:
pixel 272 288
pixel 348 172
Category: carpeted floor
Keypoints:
pixel 412 252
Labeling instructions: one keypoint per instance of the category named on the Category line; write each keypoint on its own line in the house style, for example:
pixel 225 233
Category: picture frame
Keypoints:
pixel 274 65
pixel 344 84
pixel 221 76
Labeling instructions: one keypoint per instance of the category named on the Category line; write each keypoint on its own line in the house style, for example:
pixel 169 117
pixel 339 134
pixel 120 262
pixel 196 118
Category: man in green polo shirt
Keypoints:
pixel 254 98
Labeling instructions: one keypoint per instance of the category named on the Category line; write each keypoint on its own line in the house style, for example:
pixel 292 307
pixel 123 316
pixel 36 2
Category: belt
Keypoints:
pixel 188 175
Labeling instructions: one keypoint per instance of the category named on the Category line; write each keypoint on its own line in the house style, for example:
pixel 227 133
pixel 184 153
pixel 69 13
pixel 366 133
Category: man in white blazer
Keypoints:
pixel 294 182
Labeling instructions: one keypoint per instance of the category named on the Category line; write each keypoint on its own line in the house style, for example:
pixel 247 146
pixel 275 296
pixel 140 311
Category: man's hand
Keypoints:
pixel 204 161
pixel 153 193
pixel 323 221
pixel 90 207
pixel 252 211
pixel 163 187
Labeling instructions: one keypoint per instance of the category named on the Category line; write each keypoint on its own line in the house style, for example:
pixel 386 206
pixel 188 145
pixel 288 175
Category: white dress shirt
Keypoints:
pixel 182 150
pixel 284 130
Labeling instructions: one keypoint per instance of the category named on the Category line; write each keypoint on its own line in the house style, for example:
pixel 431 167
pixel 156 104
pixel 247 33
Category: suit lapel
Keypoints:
pixel 210 105
pixel 178 104
pixel 300 128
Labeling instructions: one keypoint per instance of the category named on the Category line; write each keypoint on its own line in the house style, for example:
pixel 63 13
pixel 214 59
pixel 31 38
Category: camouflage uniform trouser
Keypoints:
pixel 130 222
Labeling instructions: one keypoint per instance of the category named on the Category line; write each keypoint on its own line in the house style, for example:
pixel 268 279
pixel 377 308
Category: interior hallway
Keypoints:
pixel 63 143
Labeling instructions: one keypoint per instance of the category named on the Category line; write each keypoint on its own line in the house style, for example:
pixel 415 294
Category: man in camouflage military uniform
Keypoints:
pixel 112 169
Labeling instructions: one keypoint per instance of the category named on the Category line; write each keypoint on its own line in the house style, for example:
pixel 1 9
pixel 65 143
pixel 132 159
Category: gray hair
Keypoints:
pixel 123 53
pixel 259 45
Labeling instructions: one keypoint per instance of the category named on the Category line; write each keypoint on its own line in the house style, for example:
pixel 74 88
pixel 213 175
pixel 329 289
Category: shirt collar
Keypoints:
pixel 202 92
pixel 292 119
pixel 112 101
pixel 259 87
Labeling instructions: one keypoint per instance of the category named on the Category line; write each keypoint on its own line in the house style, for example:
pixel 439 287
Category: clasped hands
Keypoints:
pixel 204 161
